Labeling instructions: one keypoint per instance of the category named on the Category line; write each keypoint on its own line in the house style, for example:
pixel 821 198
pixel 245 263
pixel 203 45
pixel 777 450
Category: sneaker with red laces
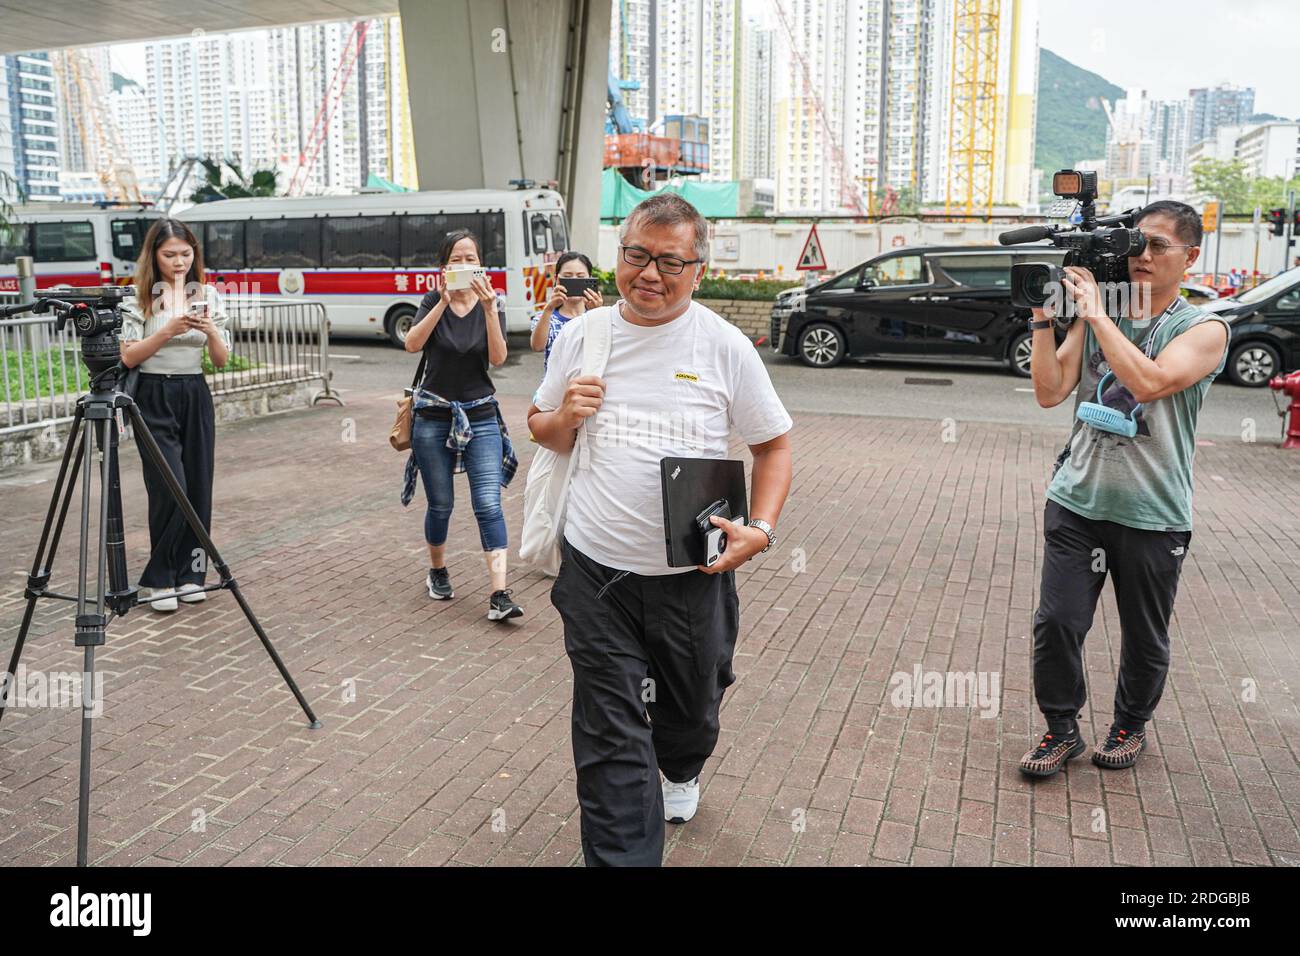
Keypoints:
pixel 1121 748
pixel 1051 754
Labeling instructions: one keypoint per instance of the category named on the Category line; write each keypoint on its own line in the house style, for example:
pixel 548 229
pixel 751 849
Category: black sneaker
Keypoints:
pixel 501 607
pixel 439 582
pixel 1121 748
pixel 1052 753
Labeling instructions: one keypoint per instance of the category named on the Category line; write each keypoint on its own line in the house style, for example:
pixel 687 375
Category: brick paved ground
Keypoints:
pixel 897 550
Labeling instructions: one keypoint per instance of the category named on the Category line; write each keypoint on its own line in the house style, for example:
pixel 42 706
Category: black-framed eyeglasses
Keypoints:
pixel 668 265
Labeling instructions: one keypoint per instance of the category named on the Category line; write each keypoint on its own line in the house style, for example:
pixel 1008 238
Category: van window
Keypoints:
pixel 494 239
pixel 559 235
pixel 283 243
pixel 848 280
pixel 900 270
pixel 360 242
pixel 540 228
pixel 63 242
pixel 128 237
pixel 14 241
pixel 422 236
pixel 223 245
pixel 979 272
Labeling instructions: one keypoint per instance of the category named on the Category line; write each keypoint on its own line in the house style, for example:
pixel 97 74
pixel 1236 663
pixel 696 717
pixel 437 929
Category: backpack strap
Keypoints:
pixel 597 338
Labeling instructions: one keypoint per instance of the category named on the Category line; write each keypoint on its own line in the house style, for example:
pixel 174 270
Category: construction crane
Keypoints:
pixel 333 96
pixel 973 107
pixel 849 194
pixel 176 188
pixel 102 140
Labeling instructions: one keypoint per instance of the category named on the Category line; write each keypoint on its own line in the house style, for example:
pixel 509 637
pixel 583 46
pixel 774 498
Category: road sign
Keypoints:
pixel 1210 218
pixel 812 259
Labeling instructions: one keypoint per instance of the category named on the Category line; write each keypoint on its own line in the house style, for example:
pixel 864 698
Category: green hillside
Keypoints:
pixel 1071 122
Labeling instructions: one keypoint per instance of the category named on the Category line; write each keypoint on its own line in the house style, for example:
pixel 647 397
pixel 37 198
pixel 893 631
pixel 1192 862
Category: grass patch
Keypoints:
pixel 234 363
pixel 22 368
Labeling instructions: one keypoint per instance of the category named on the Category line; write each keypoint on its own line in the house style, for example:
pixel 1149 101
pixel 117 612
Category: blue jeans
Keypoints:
pixel 482 465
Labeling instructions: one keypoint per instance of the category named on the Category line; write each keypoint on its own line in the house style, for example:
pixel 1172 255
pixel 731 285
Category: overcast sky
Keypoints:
pixel 1164 47
pixel 1168 48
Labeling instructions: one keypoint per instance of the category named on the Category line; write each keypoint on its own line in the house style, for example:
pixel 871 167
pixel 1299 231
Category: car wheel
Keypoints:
pixel 1018 354
pixel 399 324
pixel 821 345
pixel 1252 364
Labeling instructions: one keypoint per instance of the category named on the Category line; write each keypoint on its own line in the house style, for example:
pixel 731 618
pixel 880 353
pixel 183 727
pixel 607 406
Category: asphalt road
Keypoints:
pixel 929 391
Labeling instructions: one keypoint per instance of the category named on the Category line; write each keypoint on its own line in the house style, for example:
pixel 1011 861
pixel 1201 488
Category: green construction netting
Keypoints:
pixel 618 197
pixel 378 182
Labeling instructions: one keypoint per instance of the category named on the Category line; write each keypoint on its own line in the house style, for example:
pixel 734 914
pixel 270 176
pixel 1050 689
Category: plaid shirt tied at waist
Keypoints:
pixel 458 438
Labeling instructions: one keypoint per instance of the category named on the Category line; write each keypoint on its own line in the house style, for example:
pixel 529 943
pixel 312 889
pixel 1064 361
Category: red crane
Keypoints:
pixel 847 190
pixel 333 95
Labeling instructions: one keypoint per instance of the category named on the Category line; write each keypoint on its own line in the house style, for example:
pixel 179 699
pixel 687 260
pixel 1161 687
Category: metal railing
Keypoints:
pixel 43 375
pixel 276 342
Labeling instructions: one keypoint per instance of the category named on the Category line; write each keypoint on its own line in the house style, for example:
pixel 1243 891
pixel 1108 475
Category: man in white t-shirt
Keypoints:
pixel 651 645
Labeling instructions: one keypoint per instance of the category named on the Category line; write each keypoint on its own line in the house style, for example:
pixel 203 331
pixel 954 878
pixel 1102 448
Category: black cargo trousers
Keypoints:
pixel 651 656
pixel 1144 566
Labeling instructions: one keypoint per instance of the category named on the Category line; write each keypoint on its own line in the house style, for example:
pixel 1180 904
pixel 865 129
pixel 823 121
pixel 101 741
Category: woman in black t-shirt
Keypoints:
pixel 460 333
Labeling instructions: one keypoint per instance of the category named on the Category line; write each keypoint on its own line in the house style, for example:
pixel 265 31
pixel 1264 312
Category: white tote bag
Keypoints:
pixel 547 488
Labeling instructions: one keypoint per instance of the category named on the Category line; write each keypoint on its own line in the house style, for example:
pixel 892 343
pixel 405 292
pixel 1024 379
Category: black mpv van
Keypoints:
pixel 948 303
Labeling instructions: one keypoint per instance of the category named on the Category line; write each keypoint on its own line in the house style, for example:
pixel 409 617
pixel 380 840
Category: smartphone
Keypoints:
pixel 463 278
pixel 576 286
pixel 198 310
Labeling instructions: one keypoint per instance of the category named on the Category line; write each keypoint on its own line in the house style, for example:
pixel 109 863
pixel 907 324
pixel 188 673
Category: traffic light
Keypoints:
pixel 1295 223
pixel 1277 221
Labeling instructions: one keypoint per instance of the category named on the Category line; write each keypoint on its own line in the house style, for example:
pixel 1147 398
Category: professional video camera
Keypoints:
pixel 96 317
pixel 1100 245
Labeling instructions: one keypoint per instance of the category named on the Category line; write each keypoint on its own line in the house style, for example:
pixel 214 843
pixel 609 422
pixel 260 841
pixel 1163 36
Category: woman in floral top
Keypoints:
pixel 561 307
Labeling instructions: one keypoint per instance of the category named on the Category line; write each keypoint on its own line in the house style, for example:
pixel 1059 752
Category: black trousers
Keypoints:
pixel 1144 566
pixel 178 410
pixel 651 656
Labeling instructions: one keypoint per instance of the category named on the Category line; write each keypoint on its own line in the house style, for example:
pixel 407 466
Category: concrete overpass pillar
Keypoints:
pixel 511 89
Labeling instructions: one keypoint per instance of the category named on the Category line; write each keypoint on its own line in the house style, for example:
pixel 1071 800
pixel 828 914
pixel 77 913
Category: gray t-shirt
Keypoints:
pixel 1143 482
pixel 183 354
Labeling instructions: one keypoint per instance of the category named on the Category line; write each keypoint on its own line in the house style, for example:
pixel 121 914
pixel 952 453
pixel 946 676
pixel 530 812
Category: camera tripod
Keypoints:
pixel 98 414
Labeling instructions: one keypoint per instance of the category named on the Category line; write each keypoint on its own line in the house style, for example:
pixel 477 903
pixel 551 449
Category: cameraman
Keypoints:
pixel 1116 503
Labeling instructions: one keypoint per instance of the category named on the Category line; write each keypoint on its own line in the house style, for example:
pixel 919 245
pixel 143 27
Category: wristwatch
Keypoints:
pixel 1036 326
pixel 766 528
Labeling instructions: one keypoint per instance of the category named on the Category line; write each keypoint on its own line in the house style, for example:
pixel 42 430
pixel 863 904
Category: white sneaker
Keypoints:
pixel 166 604
pixel 193 594
pixel 680 800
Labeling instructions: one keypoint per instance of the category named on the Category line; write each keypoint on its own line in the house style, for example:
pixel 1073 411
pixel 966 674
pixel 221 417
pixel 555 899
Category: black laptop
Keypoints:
pixel 690 485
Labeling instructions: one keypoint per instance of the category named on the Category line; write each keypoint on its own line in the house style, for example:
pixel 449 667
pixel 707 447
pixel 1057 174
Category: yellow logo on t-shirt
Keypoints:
pixel 687 376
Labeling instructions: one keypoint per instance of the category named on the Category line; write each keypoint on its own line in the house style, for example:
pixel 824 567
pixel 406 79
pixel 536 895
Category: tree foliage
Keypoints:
pixel 1227 181
pixel 261 182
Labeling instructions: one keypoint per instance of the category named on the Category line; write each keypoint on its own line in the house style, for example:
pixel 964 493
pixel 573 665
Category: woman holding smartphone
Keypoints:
pixel 568 301
pixel 456 423
pixel 166 327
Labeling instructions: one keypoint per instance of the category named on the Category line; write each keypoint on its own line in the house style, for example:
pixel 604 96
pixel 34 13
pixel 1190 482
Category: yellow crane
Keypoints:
pixel 973 107
pixel 99 135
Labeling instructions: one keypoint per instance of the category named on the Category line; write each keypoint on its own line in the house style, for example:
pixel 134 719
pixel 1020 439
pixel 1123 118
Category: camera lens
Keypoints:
pixel 1031 283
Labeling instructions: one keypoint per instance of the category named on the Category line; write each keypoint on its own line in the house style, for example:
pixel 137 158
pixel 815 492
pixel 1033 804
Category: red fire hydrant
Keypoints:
pixel 1290 385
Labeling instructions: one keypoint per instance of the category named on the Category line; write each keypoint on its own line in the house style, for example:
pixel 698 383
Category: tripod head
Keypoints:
pixel 96 317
